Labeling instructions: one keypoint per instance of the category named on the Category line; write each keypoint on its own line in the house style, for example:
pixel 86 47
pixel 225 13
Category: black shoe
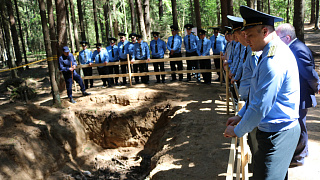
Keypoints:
pixel 180 79
pixel 84 93
pixel 123 83
pixel 158 81
pixel 91 86
pixel 172 80
pixel 72 101
pixel 163 81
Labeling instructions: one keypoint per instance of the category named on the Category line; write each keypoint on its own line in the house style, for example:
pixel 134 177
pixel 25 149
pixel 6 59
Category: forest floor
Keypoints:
pixel 156 131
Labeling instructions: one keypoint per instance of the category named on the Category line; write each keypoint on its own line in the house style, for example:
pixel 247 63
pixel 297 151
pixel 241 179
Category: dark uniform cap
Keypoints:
pixel 236 22
pixel 113 40
pixel 132 35
pixel 202 32
pixel 228 30
pixel 253 18
pixel 188 26
pixel 121 34
pixel 138 36
pixel 174 28
pixel 155 34
pixel 84 43
pixel 65 49
pixel 98 45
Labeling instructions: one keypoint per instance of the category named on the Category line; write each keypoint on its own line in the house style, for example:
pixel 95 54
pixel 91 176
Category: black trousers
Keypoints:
pixel 173 66
pixel 192 63
pixel 113 70
pixel 124 70
pixel 142 68
pixel 206 64
pixel 217 64
pixel 87 72
pixel 157 66
pixel 104 71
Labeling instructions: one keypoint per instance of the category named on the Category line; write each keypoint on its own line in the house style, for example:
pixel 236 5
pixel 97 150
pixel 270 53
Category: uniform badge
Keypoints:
pixel 272 51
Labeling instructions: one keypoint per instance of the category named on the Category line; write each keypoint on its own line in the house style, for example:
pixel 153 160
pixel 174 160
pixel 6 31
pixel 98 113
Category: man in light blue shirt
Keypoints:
pixel 85 58
pixel 158 48
pixel 113 54
pixel 123 51
pixel 203 49
pixel 218 44
pixel 100 56
pixel 190 44
pixel 141 52
pixel 174 47
pixel 273 104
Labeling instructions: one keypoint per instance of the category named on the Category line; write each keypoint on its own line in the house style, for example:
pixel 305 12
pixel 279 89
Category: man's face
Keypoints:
pixel 156 37
pixel 84 47
pixel 98 49
pixel 241 37
pixel 66 53
pixel 133 39
pixel 112 44
pixel 216 32
pixel 202 36
pixel 122 38
pixel 139 40
pixel 174 33
pixel 189 31
pixel 283 37
pixel 255 37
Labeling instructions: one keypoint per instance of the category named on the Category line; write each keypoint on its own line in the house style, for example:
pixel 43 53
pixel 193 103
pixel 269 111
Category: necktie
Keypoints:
pixel 215 42
pixel 189 42
pixel 201 50
pixel 245 55
pixel 260 58
pixel 140 49
pixel 112 52
pixel 172 42
pixel 85 57
pixel 122 48
pixel 156 46
pixel 99 58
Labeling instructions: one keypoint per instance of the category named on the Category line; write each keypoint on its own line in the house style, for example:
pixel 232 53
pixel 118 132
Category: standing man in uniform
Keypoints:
pixel 100 56
pixel 113 54
pixel 203 49
pixel 141 52
pixel 218 44
pixel 174 47
pixel 123 51
pixel 158 48
pixel 309 85
pixel 190 44
pixel 273 104
pixel 67 65
pixel 85 58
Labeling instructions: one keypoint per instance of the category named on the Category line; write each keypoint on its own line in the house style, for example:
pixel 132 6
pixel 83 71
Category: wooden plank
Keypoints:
pixel 129 69
pixel 232 156
pixel 238 163
pixel 227 89
pixel 221 64
pixel 244 161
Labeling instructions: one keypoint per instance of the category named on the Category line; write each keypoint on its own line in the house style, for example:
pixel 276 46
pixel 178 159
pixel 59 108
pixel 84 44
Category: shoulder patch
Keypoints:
pixel 272 51
pixel 222 35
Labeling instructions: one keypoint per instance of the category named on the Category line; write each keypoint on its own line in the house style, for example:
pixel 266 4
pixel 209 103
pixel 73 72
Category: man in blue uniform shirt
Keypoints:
pixel 190 44
pixel 123 51
pixel 141 52
pixel 67 65
pixel 85 58
pixel 113 54
pixel 158 48
pixel 203 49
pixel 174 47
pixel 218 43
pixel 309 85
pixel 273 99
pixel 100 56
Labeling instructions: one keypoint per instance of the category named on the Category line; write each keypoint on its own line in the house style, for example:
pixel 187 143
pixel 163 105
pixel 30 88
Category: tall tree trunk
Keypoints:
pixel 81 21
pixel 115 22
pixel 197 11
pixel 250 3
pixel 218 12
pixel 7 35
pixel 312 15
pixel 288 10
pixel 110 24
pixel 133 17
pixel 21 35
pixel 224 13
pixel 69 24
pixel 141 19
pixel 105 11
pixel 259 5
pixel 2 45
pixel 95 19
pixel 14 34
pixel 46 37
pixel 298 18
pixel 316 24
pixel 103 34
pixel 230 7
pixel 125 17
pixel 160 10
pixel 174 12
pixel 75 26
pixel 269 11
pixel 146 14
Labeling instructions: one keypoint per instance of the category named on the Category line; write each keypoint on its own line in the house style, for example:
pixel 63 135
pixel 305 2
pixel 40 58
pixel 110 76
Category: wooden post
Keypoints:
pixel 221 74
pixel 227 88
pixel 129 69
pixel 232 157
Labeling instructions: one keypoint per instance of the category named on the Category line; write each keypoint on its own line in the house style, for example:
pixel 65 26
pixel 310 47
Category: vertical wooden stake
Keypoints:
pixel 221 65
pixel 129 69
pixel 227 88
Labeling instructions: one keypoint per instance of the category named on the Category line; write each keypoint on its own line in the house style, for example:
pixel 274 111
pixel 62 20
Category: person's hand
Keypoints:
pixel 74 66
pixel 171 52
pixel 230 76
pixel 132 61
pixel 105 63
pixel 71 68
pixel 148 59
pixel 233 80
pixel 90 64
pixel 229 132
pixel 233 121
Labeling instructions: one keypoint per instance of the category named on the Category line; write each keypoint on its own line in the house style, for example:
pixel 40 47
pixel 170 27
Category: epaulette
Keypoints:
pixel 272 51
pixel 222 35
pixel 254 53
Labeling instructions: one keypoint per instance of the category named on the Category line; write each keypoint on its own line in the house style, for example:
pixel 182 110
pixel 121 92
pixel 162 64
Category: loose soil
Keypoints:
pixel 156 131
